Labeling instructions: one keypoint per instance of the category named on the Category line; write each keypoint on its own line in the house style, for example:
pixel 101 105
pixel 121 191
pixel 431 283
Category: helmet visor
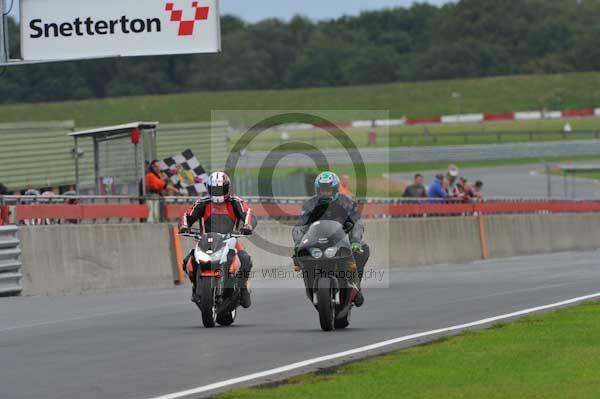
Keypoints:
pixel 326 191
pixel 216 191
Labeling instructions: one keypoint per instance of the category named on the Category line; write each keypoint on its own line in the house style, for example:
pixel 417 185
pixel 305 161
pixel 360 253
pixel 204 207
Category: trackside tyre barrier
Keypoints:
pixel 10 265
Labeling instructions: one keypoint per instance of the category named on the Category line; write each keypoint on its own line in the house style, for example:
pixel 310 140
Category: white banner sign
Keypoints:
pixel 74 29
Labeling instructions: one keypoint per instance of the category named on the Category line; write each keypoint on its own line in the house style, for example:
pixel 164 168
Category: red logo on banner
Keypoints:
pixel 186 27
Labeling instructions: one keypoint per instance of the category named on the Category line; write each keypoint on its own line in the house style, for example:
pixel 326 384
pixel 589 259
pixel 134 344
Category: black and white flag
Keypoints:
pixel 186 173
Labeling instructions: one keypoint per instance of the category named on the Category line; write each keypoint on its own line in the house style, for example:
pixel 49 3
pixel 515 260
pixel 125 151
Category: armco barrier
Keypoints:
pixel 406 208
pixel 40 210
pixel 82 212
pixel 10 265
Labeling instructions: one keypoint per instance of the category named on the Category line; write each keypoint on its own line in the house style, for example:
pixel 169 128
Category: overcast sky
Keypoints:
pixel 255 10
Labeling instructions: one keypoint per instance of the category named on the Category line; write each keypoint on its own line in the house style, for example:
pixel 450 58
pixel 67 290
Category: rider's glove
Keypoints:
pixel 357 247
pixel 184 229
pixel 246 230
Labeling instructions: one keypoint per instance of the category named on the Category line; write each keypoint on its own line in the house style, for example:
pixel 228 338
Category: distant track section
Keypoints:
pixel 399 155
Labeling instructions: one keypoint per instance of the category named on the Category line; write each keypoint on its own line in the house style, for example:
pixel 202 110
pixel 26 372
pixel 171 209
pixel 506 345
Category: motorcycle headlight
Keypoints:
pixel 202 257
pixel 216 257
pixel 316 253
pixel 331 252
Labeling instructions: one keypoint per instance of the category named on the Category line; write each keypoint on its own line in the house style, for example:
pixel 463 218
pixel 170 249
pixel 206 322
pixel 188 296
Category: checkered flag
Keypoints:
pixel 186 173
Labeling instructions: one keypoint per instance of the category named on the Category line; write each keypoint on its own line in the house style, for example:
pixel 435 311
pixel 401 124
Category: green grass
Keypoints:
pixel 588 175
pixel 420 99
pixel 376 170
pixel 458 134
pixel 546 356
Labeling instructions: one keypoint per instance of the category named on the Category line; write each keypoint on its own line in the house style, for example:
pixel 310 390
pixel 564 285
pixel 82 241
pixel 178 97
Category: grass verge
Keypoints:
pixel 375 170
pixel 545 356
pixel 434 135
pixel 418 99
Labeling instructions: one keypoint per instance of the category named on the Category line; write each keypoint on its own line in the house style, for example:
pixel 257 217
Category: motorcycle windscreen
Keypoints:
pixel 324 234
pixel 211 242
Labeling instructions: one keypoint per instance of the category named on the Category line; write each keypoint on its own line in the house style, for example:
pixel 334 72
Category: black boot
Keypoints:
pixel 245 300
pixel 359 299
pixel 361 258
pixel 195 297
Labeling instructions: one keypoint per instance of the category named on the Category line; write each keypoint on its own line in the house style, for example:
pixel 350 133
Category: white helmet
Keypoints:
pixel 218 187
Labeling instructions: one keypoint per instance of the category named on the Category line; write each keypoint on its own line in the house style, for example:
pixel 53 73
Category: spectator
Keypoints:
pixel 71 192
pixel 3 190
pixel 157 182
pixel 452 175
pixel 32 192
pixel 50 192
pixel 345 186
pixel 476 192
pixel 461 190
pixel 439 187
pixel 417 189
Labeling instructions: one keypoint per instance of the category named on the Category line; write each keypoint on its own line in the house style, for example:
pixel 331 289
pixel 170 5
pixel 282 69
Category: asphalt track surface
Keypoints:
pixel 148 344
pixel 391 155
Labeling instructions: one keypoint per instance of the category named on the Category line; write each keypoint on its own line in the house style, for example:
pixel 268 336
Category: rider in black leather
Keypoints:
pixel 330 204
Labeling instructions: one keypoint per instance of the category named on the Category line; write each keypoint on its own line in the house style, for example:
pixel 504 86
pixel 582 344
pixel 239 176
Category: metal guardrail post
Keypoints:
pixel 155 209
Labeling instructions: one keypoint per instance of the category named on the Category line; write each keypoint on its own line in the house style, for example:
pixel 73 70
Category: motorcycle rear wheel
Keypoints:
pixel 226 318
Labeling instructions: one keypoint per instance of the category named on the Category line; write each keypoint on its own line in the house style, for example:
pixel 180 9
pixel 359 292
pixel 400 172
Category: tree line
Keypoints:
pixel 467 39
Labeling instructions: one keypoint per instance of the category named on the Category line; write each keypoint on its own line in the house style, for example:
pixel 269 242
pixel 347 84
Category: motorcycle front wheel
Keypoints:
pixel 205 290
pixel 226 318
pixel 325 304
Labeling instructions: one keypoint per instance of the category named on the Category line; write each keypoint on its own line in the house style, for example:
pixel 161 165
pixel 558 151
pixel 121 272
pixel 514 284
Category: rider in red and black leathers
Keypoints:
pixel 221 212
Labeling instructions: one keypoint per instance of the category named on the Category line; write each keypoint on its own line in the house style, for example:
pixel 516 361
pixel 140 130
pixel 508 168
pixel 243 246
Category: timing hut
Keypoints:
pixel 121 154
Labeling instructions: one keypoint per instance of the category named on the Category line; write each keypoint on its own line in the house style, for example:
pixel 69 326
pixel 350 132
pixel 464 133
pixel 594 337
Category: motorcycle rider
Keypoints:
pixel 221 212
pixel 330 204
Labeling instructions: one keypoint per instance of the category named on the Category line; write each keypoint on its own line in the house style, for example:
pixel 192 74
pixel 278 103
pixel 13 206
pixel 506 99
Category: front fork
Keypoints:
pixel 336 290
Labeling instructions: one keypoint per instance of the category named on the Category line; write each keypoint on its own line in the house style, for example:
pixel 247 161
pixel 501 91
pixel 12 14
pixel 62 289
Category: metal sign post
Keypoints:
pixel 3 35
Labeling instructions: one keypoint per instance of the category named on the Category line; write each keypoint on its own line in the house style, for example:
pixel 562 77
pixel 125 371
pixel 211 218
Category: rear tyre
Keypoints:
pixel 207 302
pixel 226 318
pixel 325 304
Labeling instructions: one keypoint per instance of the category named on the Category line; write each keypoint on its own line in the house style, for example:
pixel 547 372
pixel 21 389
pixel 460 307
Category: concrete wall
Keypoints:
pixel 407 242
pixel 95 258
pixel 427 241
pixel 100 258
pixel 511 235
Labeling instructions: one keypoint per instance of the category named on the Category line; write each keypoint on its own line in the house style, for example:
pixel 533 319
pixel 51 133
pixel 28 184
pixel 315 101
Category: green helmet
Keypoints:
pixel 327 187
